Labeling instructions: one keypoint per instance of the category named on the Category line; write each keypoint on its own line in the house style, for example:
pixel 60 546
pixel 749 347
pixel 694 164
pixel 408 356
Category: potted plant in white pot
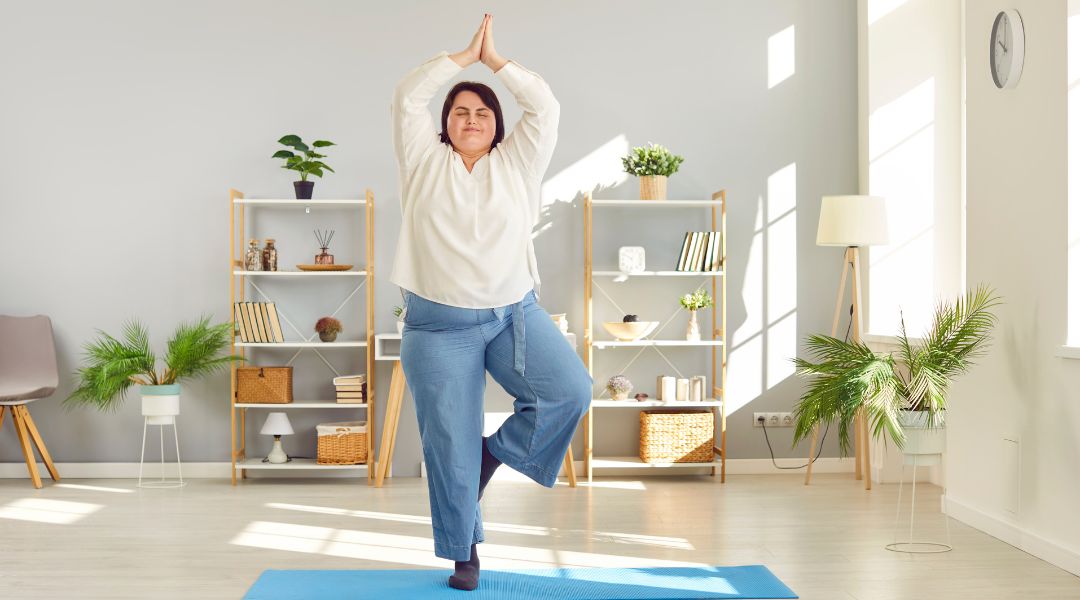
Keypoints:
pixel 619 386
pixel 652 164
pixel 114 365
pixel 904 392
pixel 694 302
pixel 399 313
pixel 304 161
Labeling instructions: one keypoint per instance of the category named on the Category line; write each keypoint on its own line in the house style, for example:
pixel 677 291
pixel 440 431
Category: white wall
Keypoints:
pixel 1017 242
pixel 126 122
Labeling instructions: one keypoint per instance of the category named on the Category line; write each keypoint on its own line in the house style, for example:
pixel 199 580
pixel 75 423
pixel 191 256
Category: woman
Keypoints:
pixel 466 266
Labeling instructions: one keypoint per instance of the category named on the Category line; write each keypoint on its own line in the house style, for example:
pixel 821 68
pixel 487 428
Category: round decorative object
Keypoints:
pixel 324 267
pixel 328 336
pixel 1007 49
pixel 630 332
pixel 632 259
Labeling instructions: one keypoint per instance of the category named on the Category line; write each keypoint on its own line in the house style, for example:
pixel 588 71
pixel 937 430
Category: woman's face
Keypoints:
pixel 470 124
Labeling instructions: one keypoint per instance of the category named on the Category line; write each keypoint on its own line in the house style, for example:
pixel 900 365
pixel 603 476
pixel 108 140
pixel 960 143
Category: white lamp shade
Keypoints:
pixel 852 221
pixel 277 423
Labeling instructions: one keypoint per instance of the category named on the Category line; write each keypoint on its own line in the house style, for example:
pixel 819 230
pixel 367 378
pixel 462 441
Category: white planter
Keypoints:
pixel 924 445
pixel 400 327
pixel 160 403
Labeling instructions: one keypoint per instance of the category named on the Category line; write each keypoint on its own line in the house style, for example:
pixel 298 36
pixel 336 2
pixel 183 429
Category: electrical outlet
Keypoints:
pixel 774 419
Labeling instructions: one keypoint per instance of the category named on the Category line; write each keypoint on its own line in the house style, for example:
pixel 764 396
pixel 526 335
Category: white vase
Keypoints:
pixel 693 333
pixel 400 327
pixel 923 445
pixel 160 403
pixel 618 395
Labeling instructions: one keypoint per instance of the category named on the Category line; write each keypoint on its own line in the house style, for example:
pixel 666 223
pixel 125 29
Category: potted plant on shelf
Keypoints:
pixel 652 164
pixel 904 392
pixel 328 328
pixel 618 387
pixel 399 312
pixel 693 302
pixel 304 161
pixel 114 365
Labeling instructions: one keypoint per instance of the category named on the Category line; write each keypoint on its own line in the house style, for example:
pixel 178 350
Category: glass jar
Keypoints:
pixel 253 260
pixel 269 256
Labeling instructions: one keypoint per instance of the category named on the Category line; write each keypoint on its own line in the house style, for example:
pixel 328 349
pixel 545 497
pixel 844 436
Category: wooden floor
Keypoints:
pixel 109 539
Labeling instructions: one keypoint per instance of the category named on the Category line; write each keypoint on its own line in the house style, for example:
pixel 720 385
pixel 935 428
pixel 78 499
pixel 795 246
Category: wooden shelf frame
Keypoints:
pixel 716 340
pixel 238 284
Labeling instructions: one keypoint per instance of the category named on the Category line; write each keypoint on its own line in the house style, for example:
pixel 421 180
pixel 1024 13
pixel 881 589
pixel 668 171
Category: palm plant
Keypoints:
pixel 114 365
pixel 849 376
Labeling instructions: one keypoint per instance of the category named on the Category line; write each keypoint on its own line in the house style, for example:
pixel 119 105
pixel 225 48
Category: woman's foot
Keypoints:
pixel 488 464
pixel 466 573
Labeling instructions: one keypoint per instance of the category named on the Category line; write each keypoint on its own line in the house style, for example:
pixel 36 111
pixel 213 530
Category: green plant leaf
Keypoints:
pixel 283 154
pixel 291 140
pixel 322 143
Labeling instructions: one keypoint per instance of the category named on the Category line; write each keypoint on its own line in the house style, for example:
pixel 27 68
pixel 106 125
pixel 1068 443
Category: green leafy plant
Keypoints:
pixel 696 301
pixel 846 376
pixel 653 159
pixel 328 325
pixel 399 311
pixel 304 160
pixel 114 365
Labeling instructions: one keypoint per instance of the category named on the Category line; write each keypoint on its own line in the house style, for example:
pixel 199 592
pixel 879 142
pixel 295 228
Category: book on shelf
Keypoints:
pixel 350 388
pixel 685 250
pixel 700 252
pixel 350 379
pixel 257 322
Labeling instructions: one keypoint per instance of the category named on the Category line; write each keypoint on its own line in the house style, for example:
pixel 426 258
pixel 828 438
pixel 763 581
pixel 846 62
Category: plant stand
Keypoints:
pixel 911 546
pixel 161 422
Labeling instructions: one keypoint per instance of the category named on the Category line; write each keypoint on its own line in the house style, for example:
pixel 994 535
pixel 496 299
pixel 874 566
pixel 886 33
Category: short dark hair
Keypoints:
pixel 487 96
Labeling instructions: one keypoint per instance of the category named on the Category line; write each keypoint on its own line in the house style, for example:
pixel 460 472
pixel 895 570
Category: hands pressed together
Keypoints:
pixel 481 48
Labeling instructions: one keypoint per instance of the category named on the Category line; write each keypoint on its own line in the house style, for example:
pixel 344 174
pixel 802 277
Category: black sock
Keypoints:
pixel 488 464
pixel 466 573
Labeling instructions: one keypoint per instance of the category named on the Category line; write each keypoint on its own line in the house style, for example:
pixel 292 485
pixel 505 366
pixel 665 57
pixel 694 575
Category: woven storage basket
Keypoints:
pixel 676 436
pixel 264 385
pixel 342 443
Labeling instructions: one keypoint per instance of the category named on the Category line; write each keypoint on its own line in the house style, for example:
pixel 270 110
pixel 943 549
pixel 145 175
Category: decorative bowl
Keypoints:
pixel 630 331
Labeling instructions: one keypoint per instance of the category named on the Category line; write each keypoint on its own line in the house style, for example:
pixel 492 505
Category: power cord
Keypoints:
pixel 765 428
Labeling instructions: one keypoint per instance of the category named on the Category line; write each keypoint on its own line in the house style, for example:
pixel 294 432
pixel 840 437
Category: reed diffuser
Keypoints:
pixel 324 237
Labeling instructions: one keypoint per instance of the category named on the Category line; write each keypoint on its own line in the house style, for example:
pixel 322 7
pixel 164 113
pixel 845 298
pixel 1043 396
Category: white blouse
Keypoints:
pixel 466 238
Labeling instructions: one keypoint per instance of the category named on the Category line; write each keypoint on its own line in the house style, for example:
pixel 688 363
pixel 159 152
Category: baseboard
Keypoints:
pixel 1014 535
pixel 191 470
pixel 735 466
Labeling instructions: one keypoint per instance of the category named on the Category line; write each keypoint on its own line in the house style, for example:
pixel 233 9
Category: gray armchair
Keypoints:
pixel 27 373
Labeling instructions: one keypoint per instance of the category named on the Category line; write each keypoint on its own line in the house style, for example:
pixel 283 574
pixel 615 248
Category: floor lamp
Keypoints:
pixel 851 222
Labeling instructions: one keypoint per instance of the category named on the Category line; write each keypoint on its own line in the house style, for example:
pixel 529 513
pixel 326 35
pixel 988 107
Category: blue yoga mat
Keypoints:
pixel 752 581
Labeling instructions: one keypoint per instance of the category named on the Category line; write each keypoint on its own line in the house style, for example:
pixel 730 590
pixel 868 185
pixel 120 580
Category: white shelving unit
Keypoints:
pixel 715 340
pixel 239 282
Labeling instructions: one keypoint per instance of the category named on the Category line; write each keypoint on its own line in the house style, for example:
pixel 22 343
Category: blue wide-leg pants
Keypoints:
pixel 446 352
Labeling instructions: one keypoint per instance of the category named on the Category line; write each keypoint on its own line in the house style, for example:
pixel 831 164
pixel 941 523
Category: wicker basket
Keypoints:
pixel 671 436
pixel 653 187
pixel 264 385
pixel 342 443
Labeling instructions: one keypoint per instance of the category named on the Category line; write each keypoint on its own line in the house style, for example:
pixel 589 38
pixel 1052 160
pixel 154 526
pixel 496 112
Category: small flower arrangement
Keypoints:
pixel 653 159
pixel 619 386
pixel 696 301
pixel 328 328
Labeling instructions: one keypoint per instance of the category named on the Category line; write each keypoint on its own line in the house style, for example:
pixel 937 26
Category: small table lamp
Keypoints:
pixel 851 222
pixel 277 424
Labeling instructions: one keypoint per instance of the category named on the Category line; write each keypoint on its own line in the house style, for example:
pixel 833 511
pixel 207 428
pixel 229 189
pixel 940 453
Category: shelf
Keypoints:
pixel 294 404
pixel 614 343
pixel 299 273
pixel 296 463
pixel 292 203
pixel 633 462
pixel 660 274
pixel 301 345
pixel 608 403
pixel 657 203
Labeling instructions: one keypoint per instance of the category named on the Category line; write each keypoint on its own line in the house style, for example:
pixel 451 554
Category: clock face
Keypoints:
pixel 1006 49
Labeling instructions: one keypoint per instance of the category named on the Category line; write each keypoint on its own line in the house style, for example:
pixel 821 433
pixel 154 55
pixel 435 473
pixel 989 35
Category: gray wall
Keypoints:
pixel 127 122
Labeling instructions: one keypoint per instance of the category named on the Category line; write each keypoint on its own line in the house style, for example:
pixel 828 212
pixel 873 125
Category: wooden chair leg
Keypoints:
pixel 568 465
pixel 3 411
pixel 24 443
pixel 390 423
pixel 36 437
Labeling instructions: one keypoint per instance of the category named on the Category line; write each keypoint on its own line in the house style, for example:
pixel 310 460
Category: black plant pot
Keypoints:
pixel 303 189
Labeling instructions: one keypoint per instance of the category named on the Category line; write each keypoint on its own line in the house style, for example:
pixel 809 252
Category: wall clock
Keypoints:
pixel 1007 49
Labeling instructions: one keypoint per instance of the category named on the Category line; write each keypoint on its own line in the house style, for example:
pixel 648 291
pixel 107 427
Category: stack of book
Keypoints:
pixel 351 389
pixel 257 322
pixel 700 252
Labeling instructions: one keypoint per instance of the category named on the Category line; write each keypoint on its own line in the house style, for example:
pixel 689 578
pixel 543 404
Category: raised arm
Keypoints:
pixel 415 132
pixel 532 142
